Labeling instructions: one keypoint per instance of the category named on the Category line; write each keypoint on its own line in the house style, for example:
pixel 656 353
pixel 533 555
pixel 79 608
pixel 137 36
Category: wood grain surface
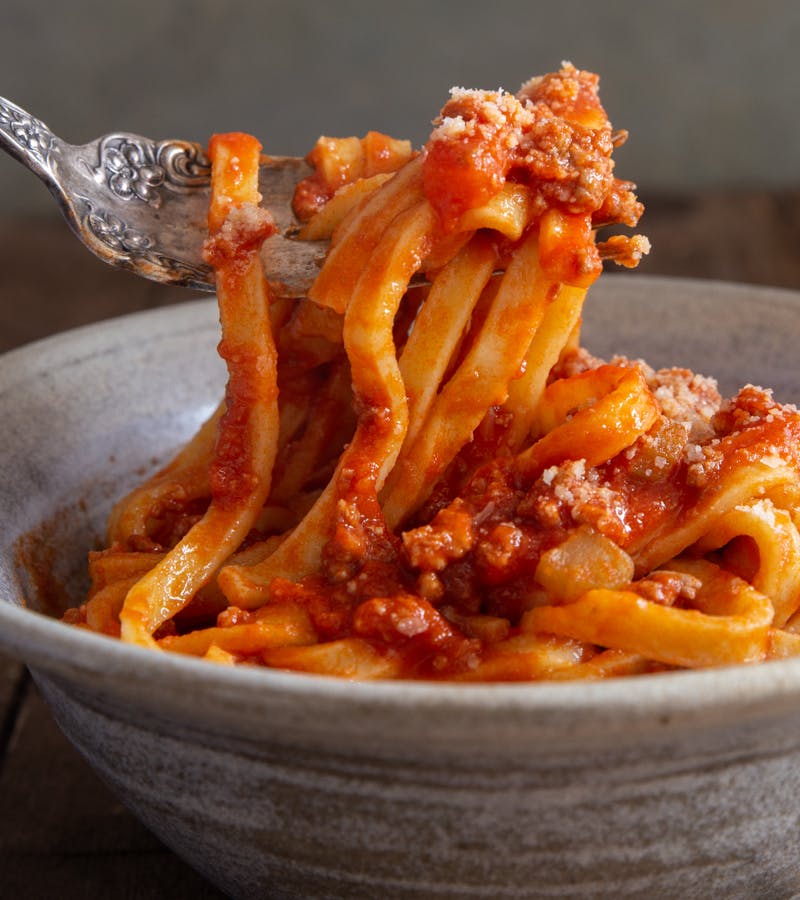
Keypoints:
pixel 62 833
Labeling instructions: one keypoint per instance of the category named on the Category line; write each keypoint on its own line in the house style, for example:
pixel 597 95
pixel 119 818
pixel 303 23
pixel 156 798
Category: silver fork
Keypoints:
pixel 142 204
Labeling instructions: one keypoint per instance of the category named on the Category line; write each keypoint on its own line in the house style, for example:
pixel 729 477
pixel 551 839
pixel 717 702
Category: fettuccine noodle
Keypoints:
pixel 416 471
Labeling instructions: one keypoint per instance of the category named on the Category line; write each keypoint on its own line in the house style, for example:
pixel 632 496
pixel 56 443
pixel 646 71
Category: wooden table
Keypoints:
pixel 62 834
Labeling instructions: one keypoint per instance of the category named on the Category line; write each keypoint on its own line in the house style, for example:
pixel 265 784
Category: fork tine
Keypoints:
pixel 278 177
pixel 291 266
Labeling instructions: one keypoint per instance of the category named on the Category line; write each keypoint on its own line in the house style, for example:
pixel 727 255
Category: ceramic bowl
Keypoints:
pixel 275 784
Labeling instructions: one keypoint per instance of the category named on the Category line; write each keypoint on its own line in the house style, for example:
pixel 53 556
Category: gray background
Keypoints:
pixel 710 91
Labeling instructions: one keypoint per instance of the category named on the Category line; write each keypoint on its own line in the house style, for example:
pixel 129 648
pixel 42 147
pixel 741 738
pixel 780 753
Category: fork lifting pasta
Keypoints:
pixel 436 481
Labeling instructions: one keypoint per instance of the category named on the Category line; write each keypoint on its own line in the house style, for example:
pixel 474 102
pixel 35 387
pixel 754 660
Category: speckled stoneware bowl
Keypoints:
pixel 281 785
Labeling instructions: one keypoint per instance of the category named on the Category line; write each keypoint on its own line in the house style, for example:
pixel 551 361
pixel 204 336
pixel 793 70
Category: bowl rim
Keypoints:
pixel 669 698
pixel 49 645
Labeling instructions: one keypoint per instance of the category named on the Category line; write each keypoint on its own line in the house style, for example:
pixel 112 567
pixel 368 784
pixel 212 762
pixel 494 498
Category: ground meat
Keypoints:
pixel 448 537
pixel 553 136
pixel 570 494
pixel 687 398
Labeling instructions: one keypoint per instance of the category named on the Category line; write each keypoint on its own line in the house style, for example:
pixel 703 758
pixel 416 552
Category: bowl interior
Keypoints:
pixel 87 414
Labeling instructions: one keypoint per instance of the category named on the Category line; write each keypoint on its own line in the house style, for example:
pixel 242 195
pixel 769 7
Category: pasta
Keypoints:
pixel 417 471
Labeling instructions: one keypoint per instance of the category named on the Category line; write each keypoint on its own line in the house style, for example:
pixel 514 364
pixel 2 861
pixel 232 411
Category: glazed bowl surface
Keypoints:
pixel 275 784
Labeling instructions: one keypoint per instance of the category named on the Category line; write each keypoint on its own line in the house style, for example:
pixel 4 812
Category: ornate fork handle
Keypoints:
pixel 132 167
pixel 28 139
pixel 137 168
pixel 142 204
pixel 109 188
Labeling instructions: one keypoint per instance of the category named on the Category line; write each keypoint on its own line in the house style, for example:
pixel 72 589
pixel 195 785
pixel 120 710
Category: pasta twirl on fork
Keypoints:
pixel 436 481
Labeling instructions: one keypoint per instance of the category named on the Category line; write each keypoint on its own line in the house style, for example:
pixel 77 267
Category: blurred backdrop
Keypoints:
pixel 708 90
